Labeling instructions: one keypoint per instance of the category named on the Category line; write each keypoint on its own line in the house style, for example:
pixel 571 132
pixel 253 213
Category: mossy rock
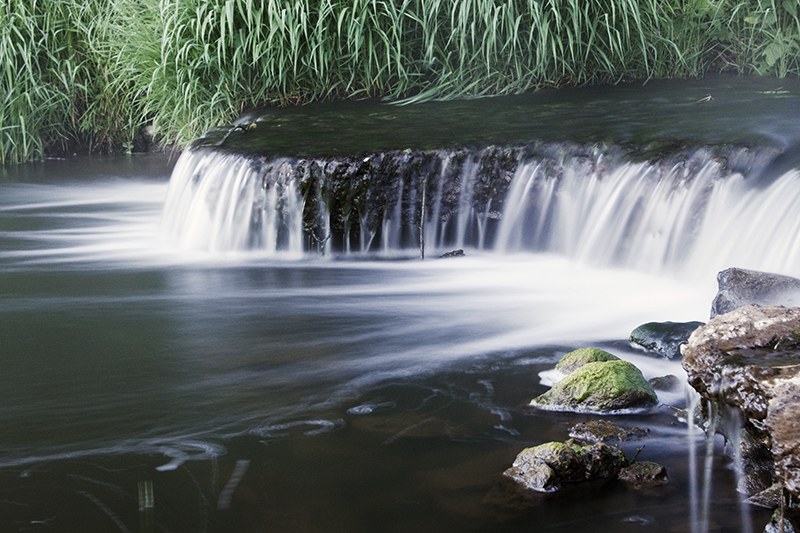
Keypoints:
pixel 581 356
pixel 534 476
pixel 562 458
pixel 543 468
pixel 600 387
pixel 601 460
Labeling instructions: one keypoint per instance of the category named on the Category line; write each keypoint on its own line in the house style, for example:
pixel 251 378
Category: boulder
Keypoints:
pixel 601 386
pixel 748 361
pixel 739 287
pixel 663 338
pixel 605 431
pixel 581 356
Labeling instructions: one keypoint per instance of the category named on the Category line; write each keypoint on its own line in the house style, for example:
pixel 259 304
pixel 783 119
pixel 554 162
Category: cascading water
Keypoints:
pixel 690 215
pixel 225 203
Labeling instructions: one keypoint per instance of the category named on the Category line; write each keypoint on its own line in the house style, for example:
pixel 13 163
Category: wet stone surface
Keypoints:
pixel 605 431
pixel 663 338
pixel 748 360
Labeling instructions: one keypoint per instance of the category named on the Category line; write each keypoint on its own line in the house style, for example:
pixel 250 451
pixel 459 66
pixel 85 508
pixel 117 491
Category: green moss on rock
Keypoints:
pixel 581 356
pixel 563 459
pixel 543 468
pixel 600 386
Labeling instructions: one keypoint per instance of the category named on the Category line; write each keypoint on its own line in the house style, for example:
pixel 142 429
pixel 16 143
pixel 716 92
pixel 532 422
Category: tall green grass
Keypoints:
pixel 90 73
pixel 59 87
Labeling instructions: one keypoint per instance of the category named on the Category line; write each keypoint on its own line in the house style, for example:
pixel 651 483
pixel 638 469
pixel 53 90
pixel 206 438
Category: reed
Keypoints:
pixel 60 86
pixel 91 73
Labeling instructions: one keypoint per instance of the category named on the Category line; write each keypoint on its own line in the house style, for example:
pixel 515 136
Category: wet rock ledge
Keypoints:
pixel 745 364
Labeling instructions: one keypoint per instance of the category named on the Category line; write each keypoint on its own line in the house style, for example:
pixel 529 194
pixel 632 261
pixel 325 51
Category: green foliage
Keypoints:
pixel 91 73
pixel 59 85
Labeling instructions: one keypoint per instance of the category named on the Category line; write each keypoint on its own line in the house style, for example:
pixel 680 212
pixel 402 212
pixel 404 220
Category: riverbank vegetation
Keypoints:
pixel 91 74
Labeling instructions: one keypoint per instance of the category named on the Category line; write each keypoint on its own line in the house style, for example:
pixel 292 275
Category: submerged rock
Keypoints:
pixel 782 522
pixel 749 360
pixel 644 473
pixel 739 287
pixel 663 338
pixel 605 431
pixel 600 387
pixel 581 356
pixel 666 383
pixel 454 253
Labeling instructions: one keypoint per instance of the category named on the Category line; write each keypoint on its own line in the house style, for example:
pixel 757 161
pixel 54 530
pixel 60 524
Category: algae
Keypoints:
pixel 600 386
pixel 581 356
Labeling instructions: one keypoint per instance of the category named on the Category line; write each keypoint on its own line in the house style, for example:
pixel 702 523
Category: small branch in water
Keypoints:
pixel 422 221
pixel 237 127
pixel 227 492
pixel 320 241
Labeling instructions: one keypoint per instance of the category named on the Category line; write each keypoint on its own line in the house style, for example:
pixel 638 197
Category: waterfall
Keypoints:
pixel 697 213
pixel 224 202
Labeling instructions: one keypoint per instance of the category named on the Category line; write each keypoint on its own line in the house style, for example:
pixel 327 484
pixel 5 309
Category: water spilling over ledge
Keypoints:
pixel 708 182
pixel 700 210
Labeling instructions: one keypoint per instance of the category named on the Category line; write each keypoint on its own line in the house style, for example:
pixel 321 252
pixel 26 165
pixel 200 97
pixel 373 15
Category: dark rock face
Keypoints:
pixel 359 190
pixel 748 360
pixel 783 425
pixel 739 287
pixel 663 338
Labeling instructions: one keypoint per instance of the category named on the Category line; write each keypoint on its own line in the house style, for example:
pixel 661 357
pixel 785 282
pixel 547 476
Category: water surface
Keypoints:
pixel 261 391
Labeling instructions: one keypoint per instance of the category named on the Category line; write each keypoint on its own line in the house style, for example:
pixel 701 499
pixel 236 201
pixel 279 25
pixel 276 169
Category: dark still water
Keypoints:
pixel 150 389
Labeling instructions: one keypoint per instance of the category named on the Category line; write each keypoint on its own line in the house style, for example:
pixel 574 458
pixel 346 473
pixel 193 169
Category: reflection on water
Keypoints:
pixel 362 395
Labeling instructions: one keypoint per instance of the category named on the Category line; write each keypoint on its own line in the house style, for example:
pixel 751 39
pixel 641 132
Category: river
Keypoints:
pixel 153 386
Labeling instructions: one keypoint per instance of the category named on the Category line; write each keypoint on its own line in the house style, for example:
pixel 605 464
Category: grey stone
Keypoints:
pixel 663 338
pixel 739 287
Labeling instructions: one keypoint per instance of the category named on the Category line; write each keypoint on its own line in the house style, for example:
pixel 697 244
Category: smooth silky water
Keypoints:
pixel 155 381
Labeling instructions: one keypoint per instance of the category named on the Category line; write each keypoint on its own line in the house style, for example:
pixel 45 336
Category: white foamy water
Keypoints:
pixel 688 219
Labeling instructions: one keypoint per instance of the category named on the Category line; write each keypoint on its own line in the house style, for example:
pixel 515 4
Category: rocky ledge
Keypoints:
pixel 747 363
